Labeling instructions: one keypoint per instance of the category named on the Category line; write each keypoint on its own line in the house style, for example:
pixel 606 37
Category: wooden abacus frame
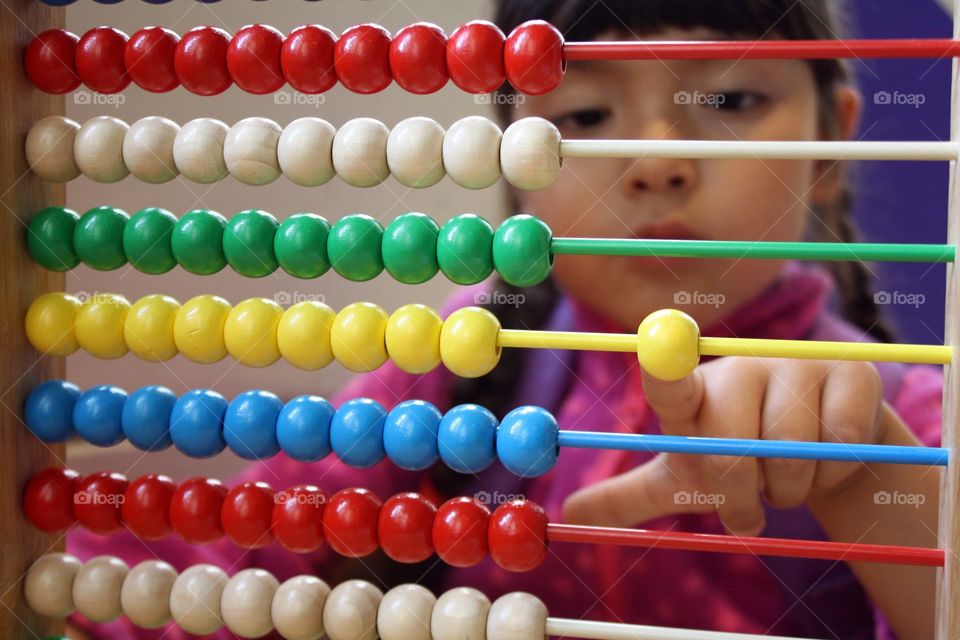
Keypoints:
pixel 22 454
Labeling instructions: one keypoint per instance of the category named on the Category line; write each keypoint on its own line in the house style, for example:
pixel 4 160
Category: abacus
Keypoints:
pixel 42 499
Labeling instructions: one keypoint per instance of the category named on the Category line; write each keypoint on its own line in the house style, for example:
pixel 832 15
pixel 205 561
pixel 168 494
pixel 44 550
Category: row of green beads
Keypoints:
pixel 412 248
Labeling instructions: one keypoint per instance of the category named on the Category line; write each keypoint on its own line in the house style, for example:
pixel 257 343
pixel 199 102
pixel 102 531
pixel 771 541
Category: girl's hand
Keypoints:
pixel 736 397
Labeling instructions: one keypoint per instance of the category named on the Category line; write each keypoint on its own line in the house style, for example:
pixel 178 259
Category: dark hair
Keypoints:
pixel 581 20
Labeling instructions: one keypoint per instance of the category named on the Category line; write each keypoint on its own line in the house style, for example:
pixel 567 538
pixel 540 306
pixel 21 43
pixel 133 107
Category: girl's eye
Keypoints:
pixel 736 100
pixel 582 118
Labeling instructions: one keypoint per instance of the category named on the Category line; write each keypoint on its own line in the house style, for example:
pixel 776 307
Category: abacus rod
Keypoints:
pixel 598 630
pixel 762 149
pixel 930 456
pixel 666 248
pixel 716 543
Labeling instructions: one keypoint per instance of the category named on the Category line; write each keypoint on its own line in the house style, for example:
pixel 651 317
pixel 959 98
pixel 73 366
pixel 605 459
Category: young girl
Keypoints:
pixel 744 199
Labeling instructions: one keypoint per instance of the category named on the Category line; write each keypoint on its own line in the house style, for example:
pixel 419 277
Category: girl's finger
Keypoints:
pixel 676 402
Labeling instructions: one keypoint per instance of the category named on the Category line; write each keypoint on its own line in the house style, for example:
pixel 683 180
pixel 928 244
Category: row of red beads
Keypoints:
pixel 259 59
pixel 354 521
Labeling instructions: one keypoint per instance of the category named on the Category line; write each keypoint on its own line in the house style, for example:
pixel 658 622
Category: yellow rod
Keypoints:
pixel 574 340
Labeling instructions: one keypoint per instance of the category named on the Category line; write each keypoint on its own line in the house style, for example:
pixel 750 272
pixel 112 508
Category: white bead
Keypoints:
pixel 245 603
pixel 98 149
pixel 195 599
pixel 145 596
pixel 148 149
pixel 471 152
pixel 530 153
pixel 96 589
pixel 250 151
pixel 305 151
pixel 49 149
pixel 360 152
pixel 48 587
pixel 198 150
pixel 517 616
pixel 415 152
pixel 297 608
pixel 350 612
pixel 404 613
pixel 460 614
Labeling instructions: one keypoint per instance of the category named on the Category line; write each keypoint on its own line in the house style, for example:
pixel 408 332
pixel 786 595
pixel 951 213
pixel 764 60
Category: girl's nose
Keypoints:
pixel 664 176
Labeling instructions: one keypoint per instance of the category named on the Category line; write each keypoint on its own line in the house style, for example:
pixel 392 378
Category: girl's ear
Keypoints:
pixel 848 107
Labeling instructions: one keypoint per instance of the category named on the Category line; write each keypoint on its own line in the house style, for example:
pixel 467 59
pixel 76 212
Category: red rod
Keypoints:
pixel 817 549
pixel 768 49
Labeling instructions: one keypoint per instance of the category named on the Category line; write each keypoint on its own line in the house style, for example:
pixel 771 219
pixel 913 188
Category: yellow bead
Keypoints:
pixel 303 335
pixel 148 328
pixel 250 332
pixel 668 344
pixel 99 325
pixel 413 338
pixel 50 323
pixel 198 329
pixel 357 336
pixel 468 342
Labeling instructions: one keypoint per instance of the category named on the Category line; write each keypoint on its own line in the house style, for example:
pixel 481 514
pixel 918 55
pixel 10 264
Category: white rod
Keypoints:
pixel 596 630
pixel 767 150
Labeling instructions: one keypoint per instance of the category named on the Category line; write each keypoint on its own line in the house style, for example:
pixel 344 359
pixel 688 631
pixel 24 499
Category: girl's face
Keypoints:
pixel 737 199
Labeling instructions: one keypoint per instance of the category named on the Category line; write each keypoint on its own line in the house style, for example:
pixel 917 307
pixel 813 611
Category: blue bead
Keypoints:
pixel 527 441
pixel 96 415
pixel 410 434
pixel 466 438
pixel 303 428
pixel 250 425
pixel 356 432
pixel 48 410
pixel 196 423
pixel 146 418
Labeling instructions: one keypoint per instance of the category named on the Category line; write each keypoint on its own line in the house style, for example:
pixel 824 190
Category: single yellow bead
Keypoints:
pixel 303 335
pixel 250 332
pixel 99 325
pixel 198 329
pixel 357 336
pixel 468 342
pixel 148 328
pixel 413 338
pixel 668 344
pixel 50 323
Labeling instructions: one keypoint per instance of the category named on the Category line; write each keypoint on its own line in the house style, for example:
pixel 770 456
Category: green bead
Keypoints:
pixel 98 238
pixel 464 249
pixel 522 251
pixel 248 243
pixel 301 245
pixel 410 248
pixel 146 240
pixel 197 242
pixel 50 238
pixel 354 247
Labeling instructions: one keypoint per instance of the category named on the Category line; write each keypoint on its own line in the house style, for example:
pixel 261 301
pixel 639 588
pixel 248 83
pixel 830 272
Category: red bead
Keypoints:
pixel 460 532
pixel 418 58
pixel 475 56
pixel 253 59
pixel 48 499
pixel 201 61
pixel 406 526
pixel 149 59
pixel 195 510
pixel 50 61
pixel 97 502
pixel 533 57
pixel 306 59
pixel 362 58
pixel 100 63
pixel 246 515
pixel 350 522
pixel 146 506
pixel 298 518
pixel 518 535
